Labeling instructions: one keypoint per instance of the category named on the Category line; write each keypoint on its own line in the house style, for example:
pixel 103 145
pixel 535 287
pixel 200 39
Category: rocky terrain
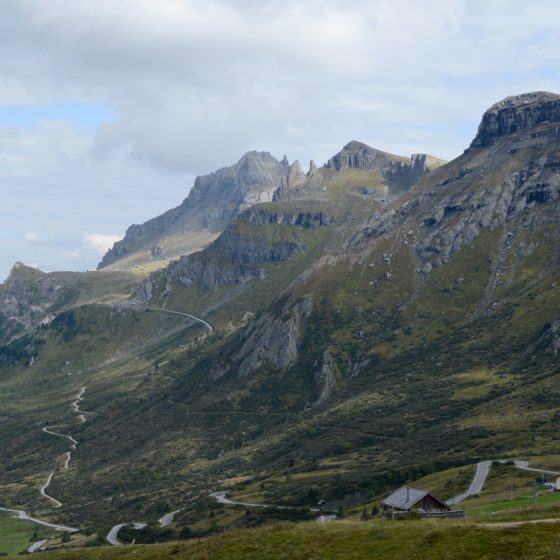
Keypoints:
pixel 213 202
pixel 29 297
pixel 370 318
pixel 217 199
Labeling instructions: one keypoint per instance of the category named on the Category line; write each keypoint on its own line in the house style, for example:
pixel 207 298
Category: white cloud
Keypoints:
pixel 193 84
pixel 30 236
pixel 101 242
pixel 74 255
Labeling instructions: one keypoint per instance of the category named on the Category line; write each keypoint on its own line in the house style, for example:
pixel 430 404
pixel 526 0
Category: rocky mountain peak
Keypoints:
pixel 213 202
pixel 361 156
pixel 515 113
pixel 20 270
pixel 255 159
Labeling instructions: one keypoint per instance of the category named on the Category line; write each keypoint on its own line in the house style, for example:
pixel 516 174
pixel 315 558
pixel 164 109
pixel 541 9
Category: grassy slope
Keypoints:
pixel 350 541
pixel 17 536
pixel 176 434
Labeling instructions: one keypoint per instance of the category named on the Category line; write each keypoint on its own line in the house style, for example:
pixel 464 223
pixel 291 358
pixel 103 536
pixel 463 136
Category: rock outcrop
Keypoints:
pixel 26 297
pixel 307 219
pixel 450 211
pixel 214 201
pixel 325 378
pixel 241 253
pixel 294 177
pixel 273 339
pixel 517 113
pixel 232 259
pixel 399 172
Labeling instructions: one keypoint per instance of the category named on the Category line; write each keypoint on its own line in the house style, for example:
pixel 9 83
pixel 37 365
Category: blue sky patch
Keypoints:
pixel 77 113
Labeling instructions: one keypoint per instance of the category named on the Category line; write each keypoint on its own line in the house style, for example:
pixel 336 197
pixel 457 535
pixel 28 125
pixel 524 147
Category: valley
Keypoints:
pixel 284 337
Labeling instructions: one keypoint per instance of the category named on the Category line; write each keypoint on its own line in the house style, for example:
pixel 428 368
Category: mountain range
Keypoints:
pixel 331 332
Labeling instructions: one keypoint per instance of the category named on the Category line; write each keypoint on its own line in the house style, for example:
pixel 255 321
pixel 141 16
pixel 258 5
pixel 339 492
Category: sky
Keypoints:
pixel 110 108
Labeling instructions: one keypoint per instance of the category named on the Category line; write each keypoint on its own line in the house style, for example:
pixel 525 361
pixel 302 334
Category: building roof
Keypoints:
pixel 404 498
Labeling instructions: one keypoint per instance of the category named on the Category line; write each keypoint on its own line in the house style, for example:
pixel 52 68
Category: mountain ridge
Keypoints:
pixel 217 199
pixel 359 339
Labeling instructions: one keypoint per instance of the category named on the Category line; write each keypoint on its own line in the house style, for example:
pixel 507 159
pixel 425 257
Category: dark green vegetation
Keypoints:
pixel 364 336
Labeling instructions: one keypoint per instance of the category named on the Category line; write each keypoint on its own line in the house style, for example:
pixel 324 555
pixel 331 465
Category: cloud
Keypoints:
pixel 74 255
pixel 30 236
pixel 183 87
pixel 194 83
pixel 101 242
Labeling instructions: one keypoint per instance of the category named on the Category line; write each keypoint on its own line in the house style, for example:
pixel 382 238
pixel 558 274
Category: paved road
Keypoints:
pixel 36 546
pixel 114 533
pixel 112 537
pixel 221 498
pixel 43 491
pixel 207 325
pixel 168 518
pixel 20 514
pixel 524 466
pixel 482 470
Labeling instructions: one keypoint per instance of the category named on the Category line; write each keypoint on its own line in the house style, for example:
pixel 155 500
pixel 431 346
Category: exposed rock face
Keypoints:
pixel 308 219
pixel 232 259
pixel 361 156
pixel 294 177
pixel 218 198
pixel 214 201
pixel 237 256
pixel 404 174
pixel 554 331
pixel 400 173
pixel 325 378
pixel 274 339
pixel 449 213
pixel 517 113
pixel 456 222
pixel 25 299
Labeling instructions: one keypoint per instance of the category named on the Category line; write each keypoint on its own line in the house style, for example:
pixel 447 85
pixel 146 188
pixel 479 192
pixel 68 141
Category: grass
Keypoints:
pixel 348 541
pixel 17 536
pixel 422 381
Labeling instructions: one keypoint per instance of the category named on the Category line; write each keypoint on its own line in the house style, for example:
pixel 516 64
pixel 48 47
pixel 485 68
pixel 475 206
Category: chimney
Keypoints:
pixel 407 495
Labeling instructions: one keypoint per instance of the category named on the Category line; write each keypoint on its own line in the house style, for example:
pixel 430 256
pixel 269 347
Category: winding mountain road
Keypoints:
pixel 524 466
pixel 75 406
pixel 44 493
pixel 198 319
pixel 168 518
pixel 36 546
pixel 114 533
pixel 43 490
pixel 481 474
pixel 221 498
pixel 20 514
